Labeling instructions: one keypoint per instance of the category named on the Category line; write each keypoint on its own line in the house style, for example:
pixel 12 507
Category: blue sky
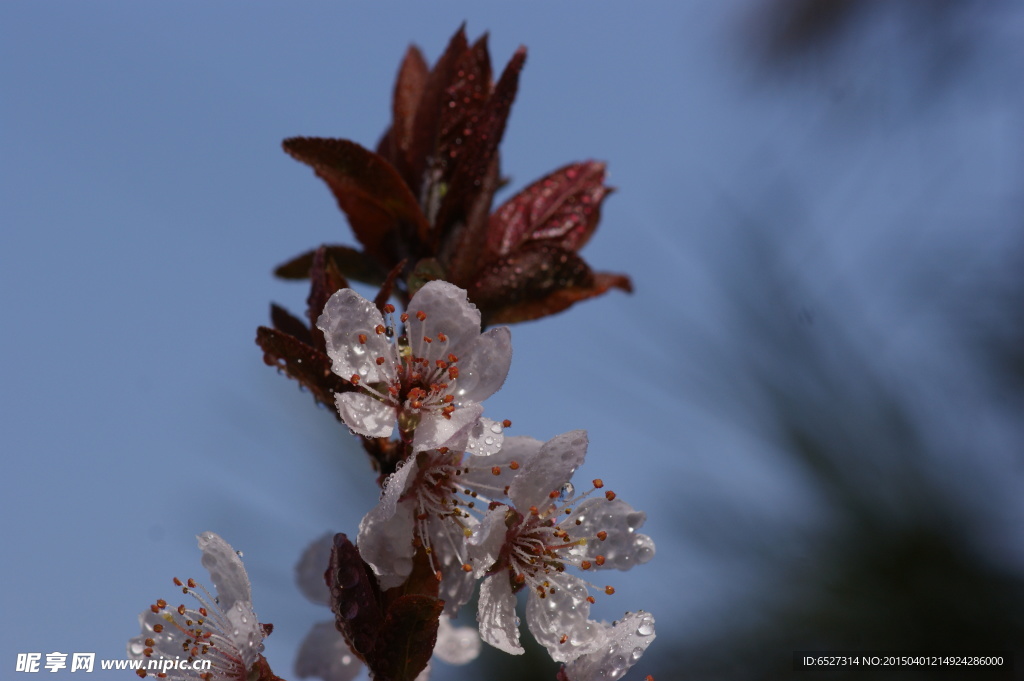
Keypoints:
pixel 145 201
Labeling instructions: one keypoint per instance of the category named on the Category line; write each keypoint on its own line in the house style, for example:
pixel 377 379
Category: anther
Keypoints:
pixel 564 638
pixel 609 495
pixel 496 470
pixel 355 379
pixel 602 535
pixel 428 339
pixel 421 315
pixel 158 628
pixel 177 582
pixel 598 483
pixel 389 308
pixel 453 372
pixel 599 560
pixel 362 339
pixel 437 575
pixel 585 565
pixel 181 610
pixel 441 337
pixel 404 317
pixel 609 590
pixel 452 358
pixel 161 603
pixel 191 583
pixel 150 643
pixel 513 465
pixel 466 567
pixel 380 360
pixel 591 600
pixel 506 423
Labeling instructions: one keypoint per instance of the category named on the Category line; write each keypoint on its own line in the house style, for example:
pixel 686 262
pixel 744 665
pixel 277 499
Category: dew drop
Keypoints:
pixel 137 648
pixel 566 491
pixel 239 554
pixel 645 628
pixel 496 428
pixel 488 440
pixel 348 576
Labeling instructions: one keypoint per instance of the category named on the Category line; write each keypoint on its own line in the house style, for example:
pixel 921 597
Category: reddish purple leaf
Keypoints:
pixel 477 176
pixel 310 367
pixel 562 208
pixel 524 285
pixel 379 205
pixel 406 639
pixel 286 322
pixel 355 597
pixel 412 79
pixel 324 280
pixel 351 263
pixel 428 113
pixel 558 300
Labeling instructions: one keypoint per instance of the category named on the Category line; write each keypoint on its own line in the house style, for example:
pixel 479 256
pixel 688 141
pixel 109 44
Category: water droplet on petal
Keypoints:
pixel 645 628
pixel 137 648
pixel 496 428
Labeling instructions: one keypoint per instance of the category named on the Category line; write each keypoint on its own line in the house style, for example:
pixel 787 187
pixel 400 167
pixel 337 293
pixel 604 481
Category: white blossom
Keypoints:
pixel 435 499
pixel 548 529
pixel 431 379
pixel 221 627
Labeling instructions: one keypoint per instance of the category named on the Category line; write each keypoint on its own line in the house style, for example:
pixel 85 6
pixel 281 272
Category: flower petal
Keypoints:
pixel 325 654
pixel 449 541
pixel 623 546
pixel 554 465
pixel 385 533
pixel 447 311
pixel 365 415
pixel 435 431
pixel 488 539
pixel 456 645
pixel 485 365
pixel 624 643
pixel 309 571
pixel 349 323
pixel 226 571
pixel 560 621
pixel 496 613
pixel 518 448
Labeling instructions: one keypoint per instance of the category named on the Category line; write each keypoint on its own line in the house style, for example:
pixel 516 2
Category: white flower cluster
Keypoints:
pixel 219 638
pixel 484 506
